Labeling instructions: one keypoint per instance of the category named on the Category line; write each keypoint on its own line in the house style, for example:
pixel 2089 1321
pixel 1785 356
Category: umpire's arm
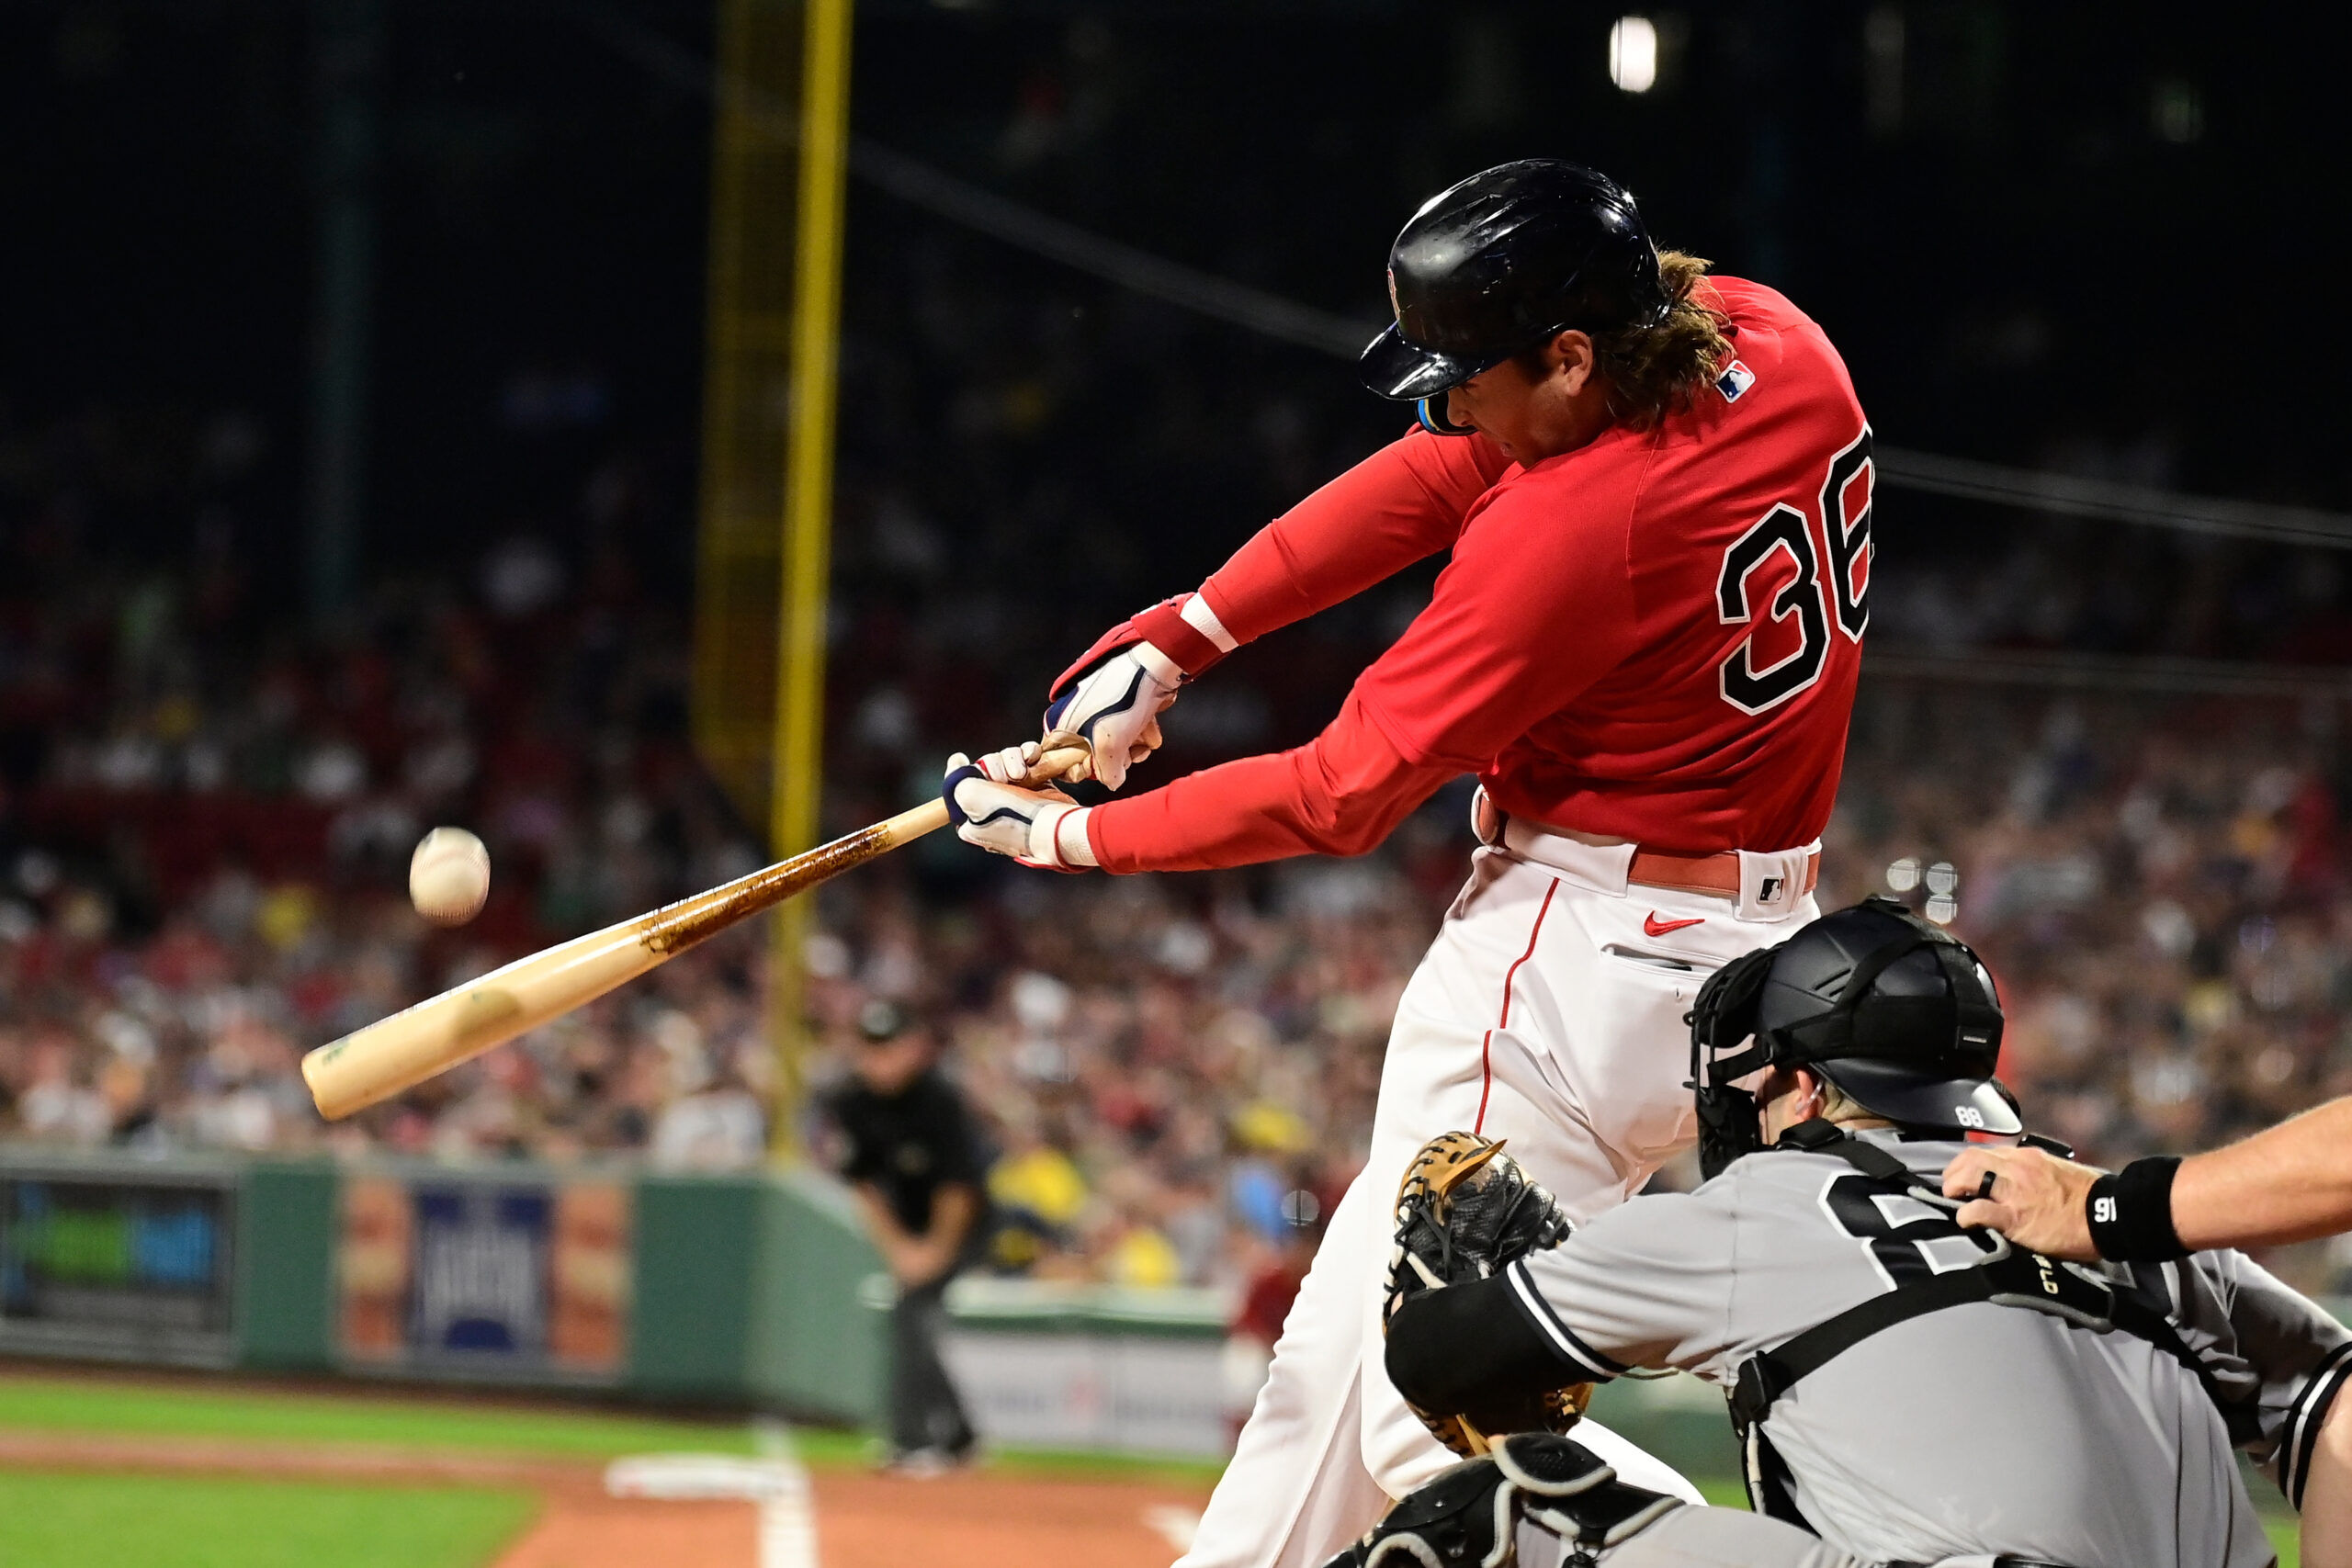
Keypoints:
pixel 2291 1182
pixel 916 1259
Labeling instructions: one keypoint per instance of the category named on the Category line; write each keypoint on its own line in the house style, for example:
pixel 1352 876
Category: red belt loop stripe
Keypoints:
pixel 1486 1046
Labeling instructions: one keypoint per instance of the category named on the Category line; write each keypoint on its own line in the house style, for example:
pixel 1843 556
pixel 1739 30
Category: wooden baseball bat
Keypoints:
pixel 392 1053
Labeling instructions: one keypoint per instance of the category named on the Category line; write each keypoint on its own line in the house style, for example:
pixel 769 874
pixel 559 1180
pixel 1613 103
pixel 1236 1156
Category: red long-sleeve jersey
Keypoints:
pixel 1653 637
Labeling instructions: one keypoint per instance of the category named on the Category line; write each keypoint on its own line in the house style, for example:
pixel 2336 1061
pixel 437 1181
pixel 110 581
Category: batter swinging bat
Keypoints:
pixel 389 1055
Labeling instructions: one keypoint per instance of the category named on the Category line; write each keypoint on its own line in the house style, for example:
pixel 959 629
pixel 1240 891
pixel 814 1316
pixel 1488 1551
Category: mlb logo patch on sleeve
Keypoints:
pixel 1737 378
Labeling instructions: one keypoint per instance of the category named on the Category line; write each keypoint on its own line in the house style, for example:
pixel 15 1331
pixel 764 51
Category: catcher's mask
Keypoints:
pixel 1896 1013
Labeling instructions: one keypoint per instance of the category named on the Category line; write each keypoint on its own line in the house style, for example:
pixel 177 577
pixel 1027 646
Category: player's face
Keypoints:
pixel 889 1065
pixel 1534 414
pixel 1493 403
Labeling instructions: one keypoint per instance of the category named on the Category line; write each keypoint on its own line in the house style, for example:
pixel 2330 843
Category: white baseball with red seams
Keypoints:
pixel 449 876
pixel 1544 1013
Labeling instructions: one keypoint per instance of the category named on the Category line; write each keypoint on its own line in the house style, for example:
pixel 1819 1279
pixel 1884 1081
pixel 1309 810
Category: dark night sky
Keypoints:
pixel 2073 243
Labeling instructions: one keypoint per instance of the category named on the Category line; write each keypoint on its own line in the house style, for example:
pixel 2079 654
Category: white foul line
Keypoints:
pixel 1176 1525
pixel 774 1482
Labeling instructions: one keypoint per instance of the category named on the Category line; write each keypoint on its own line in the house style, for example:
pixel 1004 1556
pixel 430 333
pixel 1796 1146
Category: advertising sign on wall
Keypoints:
pixel 499 1277
pixel 1114 1393
pixel 116 1263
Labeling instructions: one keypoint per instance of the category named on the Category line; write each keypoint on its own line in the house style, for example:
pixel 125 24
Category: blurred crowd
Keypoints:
pixel 205 873
pixel 206 812
pixel 2160 887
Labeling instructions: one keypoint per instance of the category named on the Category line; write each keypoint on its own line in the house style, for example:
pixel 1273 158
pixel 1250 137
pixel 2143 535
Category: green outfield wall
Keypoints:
pixel 747 1291
pixel 738 1290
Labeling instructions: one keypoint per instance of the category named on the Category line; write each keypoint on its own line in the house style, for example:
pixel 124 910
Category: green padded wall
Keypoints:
pixel 286 1239
pixel 816 1349
pixel 747 1293
pixel 691 1317
pixel 745 1288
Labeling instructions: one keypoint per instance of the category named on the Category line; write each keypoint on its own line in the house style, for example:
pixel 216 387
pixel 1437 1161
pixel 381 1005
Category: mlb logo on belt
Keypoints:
pixel 1737 378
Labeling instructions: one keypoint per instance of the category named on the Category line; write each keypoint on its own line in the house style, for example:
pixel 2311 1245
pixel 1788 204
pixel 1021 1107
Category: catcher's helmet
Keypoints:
pixel 1504 260
pixel 1897 1013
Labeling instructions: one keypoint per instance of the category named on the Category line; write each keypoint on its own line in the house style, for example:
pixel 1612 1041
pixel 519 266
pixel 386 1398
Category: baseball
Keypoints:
pixel 449 876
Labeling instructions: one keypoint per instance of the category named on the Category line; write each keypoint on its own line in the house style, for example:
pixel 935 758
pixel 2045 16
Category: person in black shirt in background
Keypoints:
pixel 913 1156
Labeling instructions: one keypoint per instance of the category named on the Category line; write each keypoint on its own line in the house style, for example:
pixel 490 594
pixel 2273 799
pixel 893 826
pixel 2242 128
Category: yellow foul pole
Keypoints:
pixel 792 803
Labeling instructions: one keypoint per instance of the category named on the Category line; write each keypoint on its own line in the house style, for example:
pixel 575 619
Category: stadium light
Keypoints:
pixel 1632 53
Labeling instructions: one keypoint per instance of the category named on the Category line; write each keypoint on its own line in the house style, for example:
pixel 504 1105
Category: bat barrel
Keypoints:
pixel 393 1054
pixel 374 1063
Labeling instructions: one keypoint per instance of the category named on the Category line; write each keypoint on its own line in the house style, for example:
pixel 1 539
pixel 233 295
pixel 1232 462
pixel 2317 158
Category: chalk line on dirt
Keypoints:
pixel 1173 1523
pixel 774 1482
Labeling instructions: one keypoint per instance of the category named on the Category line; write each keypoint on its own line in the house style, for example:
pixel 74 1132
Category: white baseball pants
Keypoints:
pixel 1549 1012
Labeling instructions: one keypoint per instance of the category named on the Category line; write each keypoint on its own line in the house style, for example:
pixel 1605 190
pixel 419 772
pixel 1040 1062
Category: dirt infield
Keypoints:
pixel 993 1521
pixel 587 1529
pixel 975 1520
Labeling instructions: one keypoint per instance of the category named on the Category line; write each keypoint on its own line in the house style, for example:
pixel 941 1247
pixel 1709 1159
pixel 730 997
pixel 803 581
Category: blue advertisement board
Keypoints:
pixel 498 1277
pixel 482 1270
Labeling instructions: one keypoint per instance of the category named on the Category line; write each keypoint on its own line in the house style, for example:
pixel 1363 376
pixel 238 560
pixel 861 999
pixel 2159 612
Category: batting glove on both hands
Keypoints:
pixel 994 805
pixel 1116 706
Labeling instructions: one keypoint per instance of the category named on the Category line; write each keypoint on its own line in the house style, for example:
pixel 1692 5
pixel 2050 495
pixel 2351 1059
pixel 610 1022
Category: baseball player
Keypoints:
pixel 2288 1183
pixel 1655 486
pixel 1910 1390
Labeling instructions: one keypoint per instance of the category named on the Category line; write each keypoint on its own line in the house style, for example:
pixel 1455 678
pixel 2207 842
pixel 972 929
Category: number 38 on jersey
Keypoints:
pixel 1830 584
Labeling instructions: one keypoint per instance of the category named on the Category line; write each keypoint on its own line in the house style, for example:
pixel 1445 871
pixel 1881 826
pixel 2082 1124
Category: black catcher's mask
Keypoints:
pixel 1897 1013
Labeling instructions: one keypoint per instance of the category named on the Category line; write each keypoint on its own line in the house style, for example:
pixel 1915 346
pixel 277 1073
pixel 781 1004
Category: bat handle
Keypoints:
pixel 913 823
pixel 1064 754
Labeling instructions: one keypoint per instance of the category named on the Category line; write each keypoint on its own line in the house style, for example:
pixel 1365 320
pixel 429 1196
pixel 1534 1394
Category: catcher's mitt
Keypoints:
pixel 1464 1210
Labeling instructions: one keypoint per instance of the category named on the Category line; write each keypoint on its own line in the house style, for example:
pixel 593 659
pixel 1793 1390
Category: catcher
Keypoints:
pixel 1525 1495
pixel 1909 1391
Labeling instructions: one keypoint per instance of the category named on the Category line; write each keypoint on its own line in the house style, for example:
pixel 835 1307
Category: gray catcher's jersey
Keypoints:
pixel 1981 1428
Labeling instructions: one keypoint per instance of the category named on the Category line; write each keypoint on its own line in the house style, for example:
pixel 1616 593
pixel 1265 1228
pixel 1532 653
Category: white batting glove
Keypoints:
pixel 1041 828
pixel 1116 706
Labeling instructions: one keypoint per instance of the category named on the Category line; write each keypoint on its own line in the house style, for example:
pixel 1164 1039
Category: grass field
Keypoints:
pixel 165 1410
pixel 175 1521
pixel 166 1521
pixel 35 1403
